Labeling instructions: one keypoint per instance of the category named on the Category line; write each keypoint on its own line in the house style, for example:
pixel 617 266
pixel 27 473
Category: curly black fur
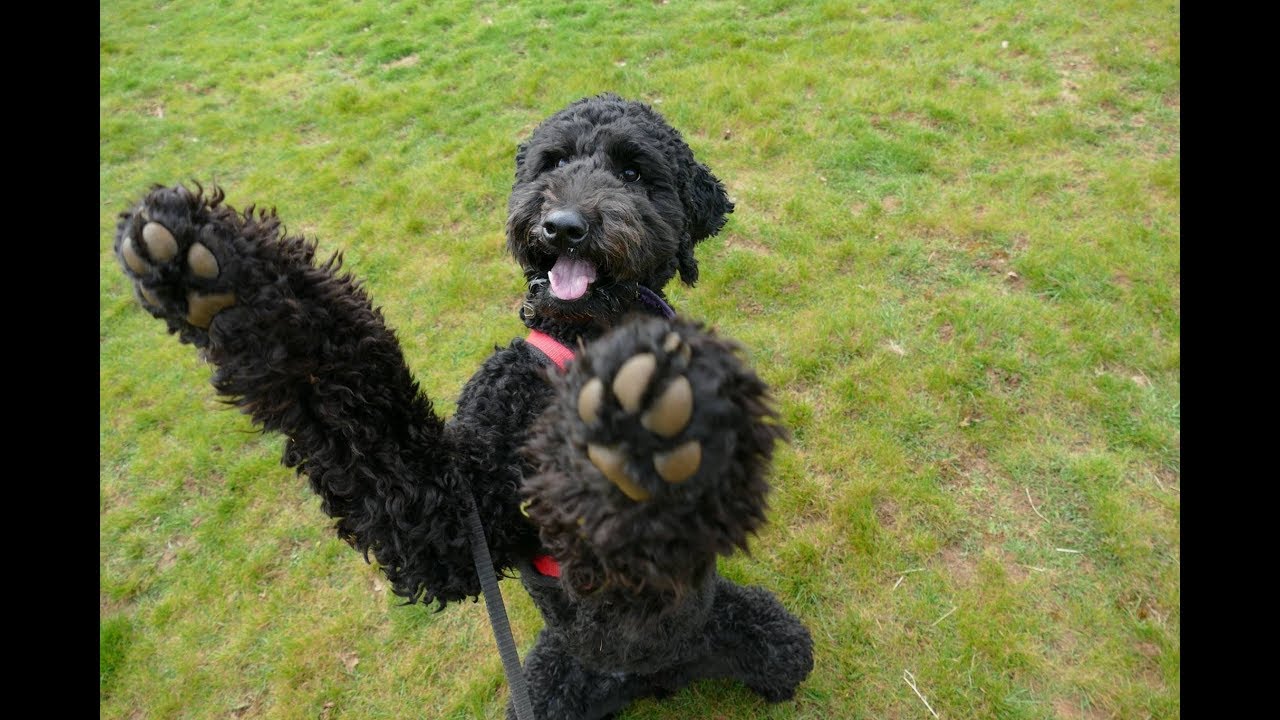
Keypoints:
pixel 667 544
pixel 642 227
pixel 638 609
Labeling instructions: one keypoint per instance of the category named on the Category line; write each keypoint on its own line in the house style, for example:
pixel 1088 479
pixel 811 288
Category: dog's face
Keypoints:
pixel 607 197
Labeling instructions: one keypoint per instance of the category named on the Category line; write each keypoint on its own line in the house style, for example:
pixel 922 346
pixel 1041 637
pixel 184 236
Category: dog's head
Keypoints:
pixel 607 198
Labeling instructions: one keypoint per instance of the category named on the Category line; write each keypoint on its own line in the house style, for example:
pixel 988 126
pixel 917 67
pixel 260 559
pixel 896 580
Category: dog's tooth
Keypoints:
pixel 613 464
pixel 670 413
pixel 132 258
pixel 159 241
pixel 202 308
pixel 632 379
pixel 201 261
pixel 589 400
pixel 680 464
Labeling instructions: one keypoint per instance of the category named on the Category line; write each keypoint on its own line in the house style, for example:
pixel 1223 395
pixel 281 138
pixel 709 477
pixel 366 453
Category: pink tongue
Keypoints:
pixel 570 277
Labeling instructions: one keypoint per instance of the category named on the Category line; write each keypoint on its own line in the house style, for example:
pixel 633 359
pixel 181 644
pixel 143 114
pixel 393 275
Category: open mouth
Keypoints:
pixel 570 277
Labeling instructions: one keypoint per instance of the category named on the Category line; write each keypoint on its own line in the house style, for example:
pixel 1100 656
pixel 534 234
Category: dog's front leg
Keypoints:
pixel 652 459
pixel 301 349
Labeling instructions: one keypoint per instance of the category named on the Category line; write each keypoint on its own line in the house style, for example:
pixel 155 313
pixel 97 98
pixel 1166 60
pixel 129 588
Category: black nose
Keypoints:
pixel 566 225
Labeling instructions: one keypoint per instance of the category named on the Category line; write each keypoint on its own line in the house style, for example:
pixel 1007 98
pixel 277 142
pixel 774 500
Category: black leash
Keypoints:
pixel 498 614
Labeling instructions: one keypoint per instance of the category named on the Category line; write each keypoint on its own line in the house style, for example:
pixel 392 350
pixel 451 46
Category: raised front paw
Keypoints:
pixel 638 411
pixel 653 458
pixel 175 249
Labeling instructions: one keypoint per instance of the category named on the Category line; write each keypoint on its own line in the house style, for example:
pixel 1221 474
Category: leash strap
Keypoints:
pixel 498 614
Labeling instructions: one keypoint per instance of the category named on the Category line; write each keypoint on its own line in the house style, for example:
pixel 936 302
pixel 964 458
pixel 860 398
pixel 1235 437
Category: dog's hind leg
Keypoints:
pixel 753 639
pixel 560 687
pixel 301 350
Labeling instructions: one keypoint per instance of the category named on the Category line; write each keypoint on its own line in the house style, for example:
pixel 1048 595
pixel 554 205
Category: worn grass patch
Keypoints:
pixel 955 256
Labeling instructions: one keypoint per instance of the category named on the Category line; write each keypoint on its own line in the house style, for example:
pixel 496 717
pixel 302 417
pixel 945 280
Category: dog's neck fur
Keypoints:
pixel 570 328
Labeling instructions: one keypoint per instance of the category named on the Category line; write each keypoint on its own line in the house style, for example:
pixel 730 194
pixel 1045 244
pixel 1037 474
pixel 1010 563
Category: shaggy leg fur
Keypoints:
pixel 753 639
pixel 637 532
pixel 301 350
pixel 561 687
pixel 652 461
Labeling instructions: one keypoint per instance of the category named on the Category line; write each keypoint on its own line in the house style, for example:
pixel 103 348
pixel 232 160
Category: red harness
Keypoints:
pixel 558 353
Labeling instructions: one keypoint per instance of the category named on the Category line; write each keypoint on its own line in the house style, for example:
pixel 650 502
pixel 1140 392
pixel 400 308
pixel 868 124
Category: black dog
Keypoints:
pixel 611 485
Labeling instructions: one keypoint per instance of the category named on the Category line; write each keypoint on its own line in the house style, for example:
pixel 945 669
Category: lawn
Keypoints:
pixel 955 258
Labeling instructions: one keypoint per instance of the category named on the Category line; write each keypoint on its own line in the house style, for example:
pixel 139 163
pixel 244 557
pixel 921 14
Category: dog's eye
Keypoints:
pixel 629 175
pixel 562 162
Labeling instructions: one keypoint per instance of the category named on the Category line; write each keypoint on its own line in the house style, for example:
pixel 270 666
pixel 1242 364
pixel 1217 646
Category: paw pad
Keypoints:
pixel 589 400
pixel 612 463
pixel 161 245
pixel 666 415
pixel 202 308
pixel 158 247
pixel 632 379
pixel 201 261
pixel 132 258
pixel 672 410
pixel 679 464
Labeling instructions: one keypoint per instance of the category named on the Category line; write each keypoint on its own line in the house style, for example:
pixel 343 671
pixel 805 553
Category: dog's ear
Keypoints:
pixel 522 150
pixel 705 205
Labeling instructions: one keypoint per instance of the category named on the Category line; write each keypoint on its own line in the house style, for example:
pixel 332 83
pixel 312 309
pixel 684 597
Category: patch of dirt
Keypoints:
pixel 406 61
pixel 246 709
pixel 1070 91
pixel 887 514
pixel 167 560
pixel 349 660
pixel 890 203
pixel 736 241
pixel 1003 380
pixel 946 332
pixel 1149 650
pixel 997 263
pixel 1073 68
pixel 960 470
pixel 917 119
pixel 1065 709
pixel 108 607
pixel 959 565
pixel 1168 479
pixel 169 557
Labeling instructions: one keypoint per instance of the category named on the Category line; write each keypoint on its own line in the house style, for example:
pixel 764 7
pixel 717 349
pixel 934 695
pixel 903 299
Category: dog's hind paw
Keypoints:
pixel 176 256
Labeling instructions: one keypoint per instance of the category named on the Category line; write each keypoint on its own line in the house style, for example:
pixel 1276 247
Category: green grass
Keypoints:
pixel 955 257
